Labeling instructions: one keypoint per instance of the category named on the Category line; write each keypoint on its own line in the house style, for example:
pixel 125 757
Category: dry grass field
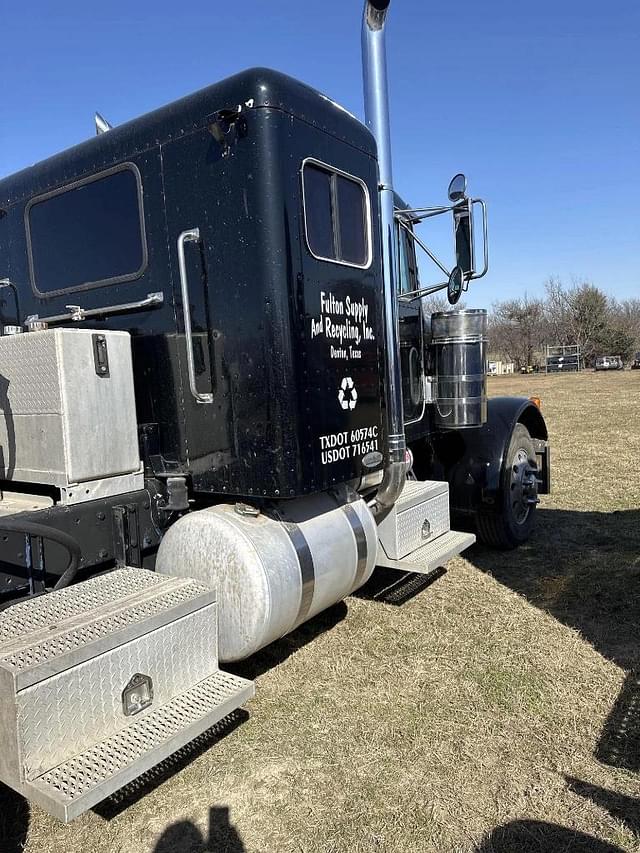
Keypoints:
pixel 495 710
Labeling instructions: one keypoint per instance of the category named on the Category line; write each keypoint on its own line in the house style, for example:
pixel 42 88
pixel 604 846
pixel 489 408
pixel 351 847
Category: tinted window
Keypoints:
pixel 88 234
pixel 317 195
pixel 336 216
pixel 353 221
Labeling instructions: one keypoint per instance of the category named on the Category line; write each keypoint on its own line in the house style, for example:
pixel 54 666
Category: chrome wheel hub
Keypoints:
pixel 524 486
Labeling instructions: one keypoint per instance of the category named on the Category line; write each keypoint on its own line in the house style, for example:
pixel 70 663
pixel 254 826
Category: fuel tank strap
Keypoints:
pixel 361 542
pixel 307 569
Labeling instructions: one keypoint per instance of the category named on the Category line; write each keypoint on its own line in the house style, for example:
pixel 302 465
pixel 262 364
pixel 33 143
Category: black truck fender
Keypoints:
pixel 471 460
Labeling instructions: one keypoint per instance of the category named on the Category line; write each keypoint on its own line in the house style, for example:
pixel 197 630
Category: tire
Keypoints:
pixel 511 525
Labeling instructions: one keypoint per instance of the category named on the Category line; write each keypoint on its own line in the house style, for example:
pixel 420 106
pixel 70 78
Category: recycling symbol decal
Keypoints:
pixel 347 395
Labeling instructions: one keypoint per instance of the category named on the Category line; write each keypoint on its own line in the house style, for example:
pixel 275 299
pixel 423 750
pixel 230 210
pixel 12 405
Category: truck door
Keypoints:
pixel 343 331
pixel 192 169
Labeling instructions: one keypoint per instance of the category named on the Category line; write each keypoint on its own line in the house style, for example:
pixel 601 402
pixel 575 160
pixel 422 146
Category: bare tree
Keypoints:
pixel 583 314
pixel 517 330
pixel 557 313
pixel 627 313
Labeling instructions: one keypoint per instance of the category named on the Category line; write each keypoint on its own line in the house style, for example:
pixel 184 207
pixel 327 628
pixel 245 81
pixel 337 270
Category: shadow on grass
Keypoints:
pixel 625 809
pixel 536 836
pixel 619 743
pixel 276 653
pixel 584 569
pixel 185 837
pixel 14 821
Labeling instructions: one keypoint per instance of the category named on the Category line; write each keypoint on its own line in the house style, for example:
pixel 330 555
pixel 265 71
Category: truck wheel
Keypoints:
pixel 512 523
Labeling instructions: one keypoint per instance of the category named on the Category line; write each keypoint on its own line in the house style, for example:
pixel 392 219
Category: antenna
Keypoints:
pixel 102 125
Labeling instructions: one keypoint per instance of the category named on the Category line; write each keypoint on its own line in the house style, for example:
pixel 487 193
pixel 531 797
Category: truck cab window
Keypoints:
pixel 337 215
pixel 87 234
pixel 407 266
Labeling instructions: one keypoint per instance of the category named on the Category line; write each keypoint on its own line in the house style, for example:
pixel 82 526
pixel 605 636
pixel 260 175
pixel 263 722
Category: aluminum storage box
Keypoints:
pixel 420 515
pixel 100 681
pixel 68 410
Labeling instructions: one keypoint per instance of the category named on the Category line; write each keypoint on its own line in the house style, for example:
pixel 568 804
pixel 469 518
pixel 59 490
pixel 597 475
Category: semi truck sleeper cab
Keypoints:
pixel 223 405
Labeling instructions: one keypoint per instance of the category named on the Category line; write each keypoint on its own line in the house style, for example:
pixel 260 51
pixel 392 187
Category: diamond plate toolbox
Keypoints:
pixel 68 660
pixel 420 515
pixel 59 426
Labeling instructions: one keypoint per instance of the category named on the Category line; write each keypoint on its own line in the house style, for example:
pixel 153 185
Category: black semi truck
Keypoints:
pixel 223 405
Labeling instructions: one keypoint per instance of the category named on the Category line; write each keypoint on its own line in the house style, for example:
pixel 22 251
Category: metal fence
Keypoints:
pixel 565 358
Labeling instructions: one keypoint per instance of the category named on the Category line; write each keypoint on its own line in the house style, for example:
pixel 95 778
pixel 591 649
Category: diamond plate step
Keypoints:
pixel 430 556
pixel 416 491
pixel 83 781
pixel 45 636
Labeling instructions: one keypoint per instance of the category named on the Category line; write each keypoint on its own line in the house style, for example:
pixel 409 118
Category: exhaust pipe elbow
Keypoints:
pixel 390 489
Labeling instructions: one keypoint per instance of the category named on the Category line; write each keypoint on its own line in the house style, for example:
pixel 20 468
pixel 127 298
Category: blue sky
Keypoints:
pixel 537 102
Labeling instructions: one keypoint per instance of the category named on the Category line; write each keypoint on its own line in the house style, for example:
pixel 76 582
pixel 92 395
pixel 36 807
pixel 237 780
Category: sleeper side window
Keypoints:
pixel 337 215
pixel 87 234
pixel 318 211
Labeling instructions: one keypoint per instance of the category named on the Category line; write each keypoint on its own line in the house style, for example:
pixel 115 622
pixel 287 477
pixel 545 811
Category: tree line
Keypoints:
pixel 520 329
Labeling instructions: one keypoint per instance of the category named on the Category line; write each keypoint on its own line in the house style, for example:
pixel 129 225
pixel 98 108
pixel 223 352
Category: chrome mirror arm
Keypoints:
pixel 424 247
pixel 412 295
pixel 418 214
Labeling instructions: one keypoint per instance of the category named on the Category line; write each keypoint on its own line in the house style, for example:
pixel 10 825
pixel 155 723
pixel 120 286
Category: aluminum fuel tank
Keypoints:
pixel 272 571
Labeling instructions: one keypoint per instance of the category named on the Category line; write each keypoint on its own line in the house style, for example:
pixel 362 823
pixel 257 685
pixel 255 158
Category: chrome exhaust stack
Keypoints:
pixel 376 108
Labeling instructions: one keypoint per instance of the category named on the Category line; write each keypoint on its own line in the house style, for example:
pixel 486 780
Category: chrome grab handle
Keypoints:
pixel 77 313
pixel 192 235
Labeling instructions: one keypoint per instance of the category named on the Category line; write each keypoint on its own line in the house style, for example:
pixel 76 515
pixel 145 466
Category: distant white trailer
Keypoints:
pixel 500 368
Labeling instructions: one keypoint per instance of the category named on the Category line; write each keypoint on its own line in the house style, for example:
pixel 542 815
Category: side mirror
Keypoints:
pixel 457 187
pixel 455 284
pixel 463 237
